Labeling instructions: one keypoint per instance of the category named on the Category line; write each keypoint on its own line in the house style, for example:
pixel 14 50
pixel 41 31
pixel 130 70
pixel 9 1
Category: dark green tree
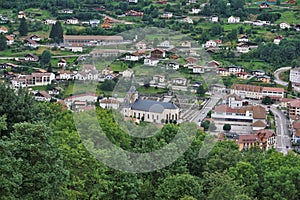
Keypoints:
pixel 290 87
pixel 201 91
pixel 227 127
pixel 232 36
pixel 45 58
pixel 57 33
pixel 107 85
pixel 23 29
pixel 267 100
pixel 3 44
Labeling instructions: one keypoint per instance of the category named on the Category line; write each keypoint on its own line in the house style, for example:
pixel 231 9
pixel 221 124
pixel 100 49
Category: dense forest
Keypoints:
pixel 42 156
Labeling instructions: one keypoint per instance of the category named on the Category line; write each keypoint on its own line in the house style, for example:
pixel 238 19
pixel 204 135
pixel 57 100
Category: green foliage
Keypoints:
pixel 227 127
pixel 108 85
pixel 3 44
pixel 45 58
pixel 290 87
pixel 56 33
pixel 23 29
pixel 267 100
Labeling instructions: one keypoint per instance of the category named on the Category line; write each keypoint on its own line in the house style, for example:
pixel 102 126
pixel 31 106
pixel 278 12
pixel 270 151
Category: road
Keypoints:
pixel 283 140
pixel 280 82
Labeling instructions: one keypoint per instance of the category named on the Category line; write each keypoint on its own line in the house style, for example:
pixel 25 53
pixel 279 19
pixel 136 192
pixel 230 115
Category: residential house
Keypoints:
pixel 212 64
pixel 89 98
pixel 42 96
pixel 243 38
pixel 295 76
pixel 195 10
pixel 133 1
pixel 50 21
pixel 214 18
pixel 35 38
pixel 198 69
pixel 179 81
pixel 9 40
pixel 3 29
pixel 162 1
pixel 88 72
pixel 75 48
pixel 232 69
pixel 157 53
pixel 277 39
pixel 34 79
pixel 109 103
pixel 233 19
pixel 106 71
pixel 264 5
pixel 264 79
pixel 21 15
pixel 222 72
pixel 128 73
pixel 72 21
pixel 158 79
pixel 149 110
pixel 31 58
pixel 234 101
pixel 165 44
pixel 210 43
pixel 191 61
pixel 173 65
pixel 91 40
pixel 242 75
pixel 188 20
pixel 246 141
pixel 62 63
pixel 66 11
pixel 135 56
pixel 242 48
pixel 94 22
pixel 284 25
pixel 65 75
pixel 293 109
pixel 258 72
pixel 134 13
pixel 296 131
pixel 31 43
pixel 141 45
pixel 151 61
pixel 167 15
pixel 187 44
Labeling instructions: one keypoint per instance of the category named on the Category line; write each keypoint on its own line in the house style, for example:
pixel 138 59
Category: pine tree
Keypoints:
pixel 56 33
pixel 45 58
pixel 3 44
pixel 23 29
pixel 290 87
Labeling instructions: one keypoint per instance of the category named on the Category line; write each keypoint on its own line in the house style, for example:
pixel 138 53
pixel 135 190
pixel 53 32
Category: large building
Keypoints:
pixel 293 108
pixel 149 110
pixel 256 92
pixel 34 79
pixel 295 76
pixel 91 40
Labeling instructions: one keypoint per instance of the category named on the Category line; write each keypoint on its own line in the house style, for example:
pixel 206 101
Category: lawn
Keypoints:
pixel 285 76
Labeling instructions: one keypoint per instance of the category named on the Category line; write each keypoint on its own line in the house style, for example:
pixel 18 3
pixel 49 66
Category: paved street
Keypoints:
pixel 280 82
pixel 283 141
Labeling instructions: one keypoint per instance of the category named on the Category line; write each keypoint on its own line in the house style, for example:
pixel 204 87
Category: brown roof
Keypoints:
pixel 296 125
pixel 110 101
pixel 272 89
pixel 286 99
pixel 227 109
pixel 295 103
pixel 297 134
pixel 191 60
pixel 92 37
pixel 259 124
pixel 264 135
pixel 247 138
pixel 8 37
pixel 45 94
pixel 246 87
pixel 259 112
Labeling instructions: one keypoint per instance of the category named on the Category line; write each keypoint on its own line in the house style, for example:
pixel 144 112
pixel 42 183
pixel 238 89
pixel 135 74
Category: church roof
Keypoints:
pixel 152 106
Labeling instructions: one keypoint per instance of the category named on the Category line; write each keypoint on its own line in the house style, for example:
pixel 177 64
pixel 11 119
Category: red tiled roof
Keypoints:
pixel 295 103
pixel 296 125
pixel 272 89
pixel 247 138
pixel 259 124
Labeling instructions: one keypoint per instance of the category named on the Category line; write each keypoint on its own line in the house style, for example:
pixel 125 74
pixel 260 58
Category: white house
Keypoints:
pixel 242 48
pixel 159 79
pixel 295 76
pixel 94 22
pixel 195 10
pixel 133 1
pixel 277 39
pixel 128 73
pixel 214 18
pixel 35 38
pixel 9 40
pixel 243 38
pixel 88 98
pixel 31 43
pixel 284 25
pixel 109 103
pixel 3 30
pixel 198 69
pixel 151 62
pixel 42 96
pixel 62 63
pixel 233 19
pixel 172 65
pixel 31 58
pixel 65 75
pixel 210 43
pixel 21 15
pixel 167 15
pixel 235 69
pixel 88 72
pixel 50 21
pixel 72 21
pixel 179 81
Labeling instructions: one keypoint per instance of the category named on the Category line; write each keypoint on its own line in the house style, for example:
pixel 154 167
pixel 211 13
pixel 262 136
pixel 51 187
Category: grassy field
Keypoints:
pixel 285 76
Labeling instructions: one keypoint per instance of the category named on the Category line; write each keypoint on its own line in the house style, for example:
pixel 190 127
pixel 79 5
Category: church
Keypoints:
pixel 149 110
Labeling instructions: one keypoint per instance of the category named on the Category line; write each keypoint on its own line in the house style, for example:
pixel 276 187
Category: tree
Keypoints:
pixel 45 58
pixel 108 85
pixel 201 91
pixel 227 127
pixel 267 100
pixel 232 36
pixel 57 33
pixel 35 163
pixel 23 29
pixel 205 125
pixel 3 44
pixel 290 87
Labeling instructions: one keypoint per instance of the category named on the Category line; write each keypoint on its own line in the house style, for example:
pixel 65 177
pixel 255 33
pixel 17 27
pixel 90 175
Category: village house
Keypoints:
pixel 88 73
pixel 243 38
pixel 106 71
pixel 3 29
pixel 66 11
pixel 258 72
pixel 42 96
pixel 186 44
pixel 232 69
pixel 94 22
pixel 212 64
pixel 65 75
pixel 234 101
pixel 198 69
pixel 31 58
pixel 210 43
pixel 295 76
pixel 222 72
pixel 62 63
pixel 242 75
pixel 149 110
pixel 233 20
pixel 21 15
pixel 151 61
pixel 109 103
pixel 277 39
pixel 141 45
pixel 293 109
pixel 34 79
pixel 264 79
pixel 172 65
pixel 284 25
pixel 35 38
pixel 262 139
pixel 242 48
pixel 167 15
pixel 134 13
pixel 75 48
pixel 133 1
pixel 214 18
pixel 158 79
pixel 157 53
pixel 135 56
pixel 165 44
pixel 87 98
pixel 264 5
pixel 195 10
pixel 296 131
pixel 179 81
pixel 72 21
pixel 9 40
pixel 50 21
pixel 128 73
pixel 31 43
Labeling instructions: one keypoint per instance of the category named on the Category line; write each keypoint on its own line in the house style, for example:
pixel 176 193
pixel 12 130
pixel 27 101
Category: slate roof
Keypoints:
pixel 152 106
